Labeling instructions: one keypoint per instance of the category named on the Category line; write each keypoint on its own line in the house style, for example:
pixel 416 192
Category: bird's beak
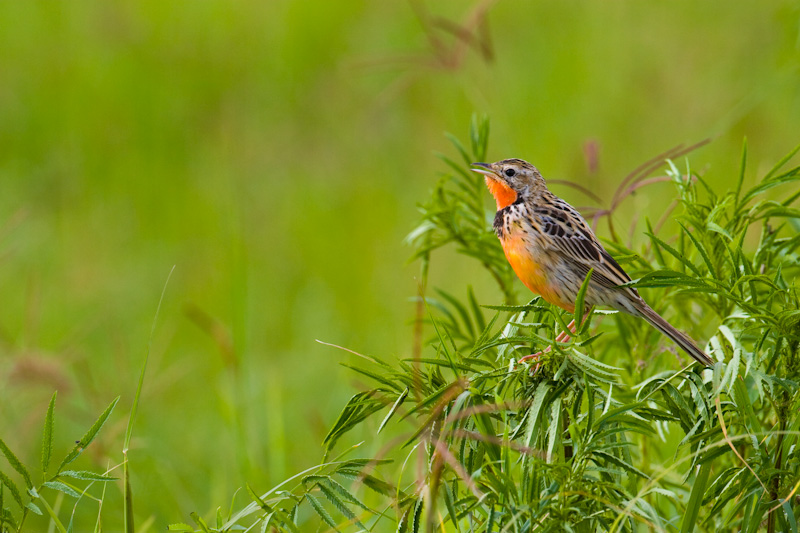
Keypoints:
pixel 485 168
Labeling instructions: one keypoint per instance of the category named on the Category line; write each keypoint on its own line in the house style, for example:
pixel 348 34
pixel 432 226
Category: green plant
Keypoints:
pixel 58 482
pixel 604 436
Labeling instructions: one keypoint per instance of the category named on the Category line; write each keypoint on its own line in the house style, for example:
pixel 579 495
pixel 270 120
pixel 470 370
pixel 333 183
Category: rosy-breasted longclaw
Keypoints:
pixel 552 249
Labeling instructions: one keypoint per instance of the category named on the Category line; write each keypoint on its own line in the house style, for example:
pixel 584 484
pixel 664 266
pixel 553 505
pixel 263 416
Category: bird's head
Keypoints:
pixel 510 179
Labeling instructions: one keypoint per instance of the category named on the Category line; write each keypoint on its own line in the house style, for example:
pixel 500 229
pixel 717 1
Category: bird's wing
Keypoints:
pixel 572 237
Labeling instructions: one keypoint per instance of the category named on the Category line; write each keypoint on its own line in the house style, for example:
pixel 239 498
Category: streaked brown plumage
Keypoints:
pixel 552 248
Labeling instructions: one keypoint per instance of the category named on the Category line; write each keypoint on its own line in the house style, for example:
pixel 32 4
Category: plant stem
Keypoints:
pixel 52 514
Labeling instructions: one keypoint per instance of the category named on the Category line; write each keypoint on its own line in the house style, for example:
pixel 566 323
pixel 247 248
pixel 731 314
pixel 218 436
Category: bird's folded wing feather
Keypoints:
pixel 572 237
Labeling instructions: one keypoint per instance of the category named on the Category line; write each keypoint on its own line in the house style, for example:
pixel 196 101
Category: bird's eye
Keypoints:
pixel 510 172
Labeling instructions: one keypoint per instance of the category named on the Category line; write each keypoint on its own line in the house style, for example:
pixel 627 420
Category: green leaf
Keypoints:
pixel 446 341
pixel 320 510
pixel 16 464
pixel 483 423
pixel 460 147
pixel 479 136
pixel 327 491
pixel 696 499
pixel 656 249
pixel 451 508
pixel 344 493
pixel 534 413
pixel 200 522
pixel 61 487
pixel 357 409
pixel 532 306
pixel 271 512
pixel 745 407
pixel 674 253
pixel 86 476
pixel 455 167
pixel 377 377
pixel 622 464
pixel 767 184
pixel 47 434
pixel 89 436
pixel 377 485
pixel 580 298
pixel 460 309
pixel 417 522
pixel 788 513
pixel 554 429
pixel 781 162
pixel 742 167
pixel 257 499
pixel 394 408
pixel 477 313
pixel 12 487
pixel 701 249
pixel 6 517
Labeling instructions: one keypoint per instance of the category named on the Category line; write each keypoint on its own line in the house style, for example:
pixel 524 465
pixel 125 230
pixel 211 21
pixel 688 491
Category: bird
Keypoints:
pixel 552 249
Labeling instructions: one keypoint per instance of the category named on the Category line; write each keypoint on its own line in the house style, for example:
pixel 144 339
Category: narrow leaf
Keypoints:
pixel 200 522
pixel 12 487
pixel 339 504
pixel 86 476
pixel 580 298
pixel 320 510
pixel 696 498
pixel 47 434
pixel 16 464
pixel 61 487
pixel 89 436
pixel 394 408
pixel 357 409
pixel 742 166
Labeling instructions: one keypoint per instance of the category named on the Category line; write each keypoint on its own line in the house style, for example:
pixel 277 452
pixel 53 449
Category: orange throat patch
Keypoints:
pixel 503 194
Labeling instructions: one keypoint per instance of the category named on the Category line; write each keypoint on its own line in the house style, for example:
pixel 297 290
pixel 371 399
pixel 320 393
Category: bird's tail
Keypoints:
pixel 680 338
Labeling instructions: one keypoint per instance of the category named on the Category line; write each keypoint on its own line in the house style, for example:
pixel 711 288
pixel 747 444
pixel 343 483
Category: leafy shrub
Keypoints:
pixel 603 436
pixel 36 496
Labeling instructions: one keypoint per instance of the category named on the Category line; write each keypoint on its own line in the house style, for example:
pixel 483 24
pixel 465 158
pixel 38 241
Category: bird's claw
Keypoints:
pixel 534 357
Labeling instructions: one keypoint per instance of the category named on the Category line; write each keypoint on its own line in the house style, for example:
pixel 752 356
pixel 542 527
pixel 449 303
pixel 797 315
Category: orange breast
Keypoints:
pixel 503 194
pixel 532 272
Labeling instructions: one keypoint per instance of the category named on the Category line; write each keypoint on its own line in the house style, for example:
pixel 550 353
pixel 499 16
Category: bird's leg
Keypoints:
pixel 564 336
pixel 561 337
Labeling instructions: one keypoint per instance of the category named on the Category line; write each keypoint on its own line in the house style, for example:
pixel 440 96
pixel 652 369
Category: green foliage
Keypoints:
pixel 60 483
pixel 599 437
pixel 271 151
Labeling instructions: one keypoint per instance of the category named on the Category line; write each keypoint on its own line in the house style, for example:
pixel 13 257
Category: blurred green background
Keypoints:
pixel 274 152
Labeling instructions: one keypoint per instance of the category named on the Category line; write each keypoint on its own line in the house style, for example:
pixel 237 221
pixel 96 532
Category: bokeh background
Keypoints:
pixel 274 152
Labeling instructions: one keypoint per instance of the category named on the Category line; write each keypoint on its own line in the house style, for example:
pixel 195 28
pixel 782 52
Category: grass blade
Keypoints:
pixel 127 493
